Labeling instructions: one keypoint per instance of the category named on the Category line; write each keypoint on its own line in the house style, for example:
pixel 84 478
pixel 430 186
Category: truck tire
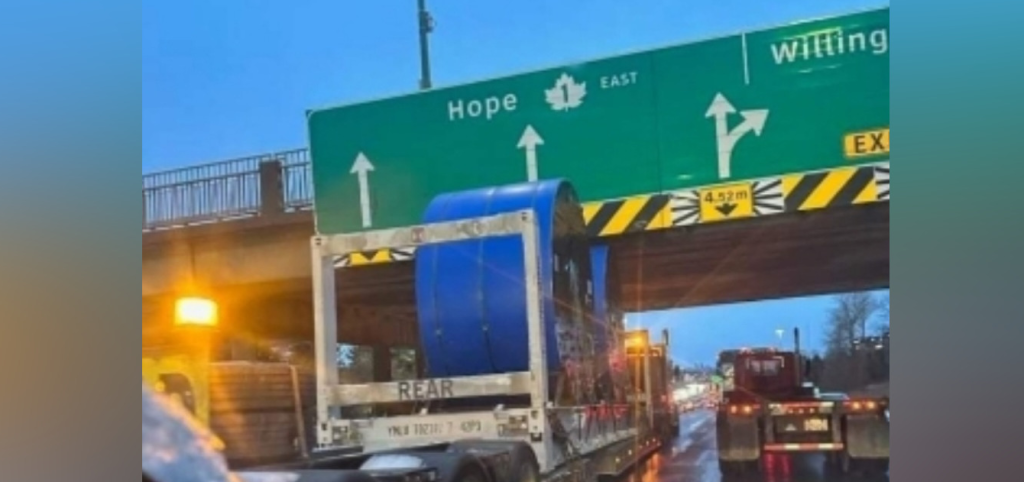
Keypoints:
pixel 522 459
pixel 454 466
pixel 735 468
pixel 730 467
pixel 880 467
pixel 871 467
pixel 470 474
pixel 726 467
pixel 333 476
pixel 845 463
pixel 833 463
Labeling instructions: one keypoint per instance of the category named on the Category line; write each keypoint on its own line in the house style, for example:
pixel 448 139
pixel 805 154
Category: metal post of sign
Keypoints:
pixel 426 26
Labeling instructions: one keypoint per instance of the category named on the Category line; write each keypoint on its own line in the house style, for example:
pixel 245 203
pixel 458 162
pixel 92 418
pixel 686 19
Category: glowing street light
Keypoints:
pixel 195 311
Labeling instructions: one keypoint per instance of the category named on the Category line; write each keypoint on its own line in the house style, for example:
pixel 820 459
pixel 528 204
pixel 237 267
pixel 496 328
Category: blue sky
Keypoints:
pixel 698 334
pixel 233 77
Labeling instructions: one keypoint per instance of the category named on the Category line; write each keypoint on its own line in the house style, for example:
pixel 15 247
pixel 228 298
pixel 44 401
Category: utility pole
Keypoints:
pixel 426 24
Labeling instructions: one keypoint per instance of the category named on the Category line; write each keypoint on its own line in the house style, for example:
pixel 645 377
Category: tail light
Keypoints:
pixel 800 408
pixel 742 409
pixel 864 405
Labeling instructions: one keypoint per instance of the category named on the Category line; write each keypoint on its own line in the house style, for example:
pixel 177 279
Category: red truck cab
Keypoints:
pixel 768 407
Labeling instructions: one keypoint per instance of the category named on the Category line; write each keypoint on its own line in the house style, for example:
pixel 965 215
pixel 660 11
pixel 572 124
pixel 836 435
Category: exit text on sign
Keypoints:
pixel 867 143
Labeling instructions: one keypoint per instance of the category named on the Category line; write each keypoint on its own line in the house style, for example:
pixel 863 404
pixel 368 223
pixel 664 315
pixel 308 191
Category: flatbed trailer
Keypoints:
pixel 532 441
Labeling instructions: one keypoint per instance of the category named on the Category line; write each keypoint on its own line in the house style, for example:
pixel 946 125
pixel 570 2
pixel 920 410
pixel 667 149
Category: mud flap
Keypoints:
pixel 867 436
pixel 738 439
pixel 613 462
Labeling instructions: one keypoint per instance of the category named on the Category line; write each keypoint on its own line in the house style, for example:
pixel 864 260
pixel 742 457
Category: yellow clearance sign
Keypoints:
pixel 866 144
pixel 726 202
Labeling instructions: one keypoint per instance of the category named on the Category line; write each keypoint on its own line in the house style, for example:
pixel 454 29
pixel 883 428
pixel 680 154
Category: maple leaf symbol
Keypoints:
pixel 566 94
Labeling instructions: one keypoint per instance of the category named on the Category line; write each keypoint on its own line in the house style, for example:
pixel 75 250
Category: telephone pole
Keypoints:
pixel 426 25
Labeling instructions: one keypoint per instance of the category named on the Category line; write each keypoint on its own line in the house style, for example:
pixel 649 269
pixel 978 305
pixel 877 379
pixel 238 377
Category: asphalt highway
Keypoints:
pixel 693 458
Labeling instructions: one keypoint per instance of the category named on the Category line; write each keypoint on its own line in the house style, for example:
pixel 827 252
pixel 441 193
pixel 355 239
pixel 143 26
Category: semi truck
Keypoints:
pixel 768 407
pixel 649 364
pixel 528 377
pixel 257 409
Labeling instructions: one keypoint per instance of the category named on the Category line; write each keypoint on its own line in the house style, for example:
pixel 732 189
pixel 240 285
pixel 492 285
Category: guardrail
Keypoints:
pixel 264 185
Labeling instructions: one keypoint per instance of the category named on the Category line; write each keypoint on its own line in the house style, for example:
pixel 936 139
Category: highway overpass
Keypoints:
pixel 239 231
pixel 714 182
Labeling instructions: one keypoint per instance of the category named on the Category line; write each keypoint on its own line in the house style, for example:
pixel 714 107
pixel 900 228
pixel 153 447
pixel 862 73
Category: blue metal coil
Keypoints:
pixel 470 295
pixel 609 321
pixel 606 304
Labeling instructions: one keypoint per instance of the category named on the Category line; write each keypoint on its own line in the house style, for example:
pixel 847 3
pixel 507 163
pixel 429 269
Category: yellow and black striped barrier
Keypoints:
pixel 704 205
pixel 828 189
pixel 379 256
pixel 629 215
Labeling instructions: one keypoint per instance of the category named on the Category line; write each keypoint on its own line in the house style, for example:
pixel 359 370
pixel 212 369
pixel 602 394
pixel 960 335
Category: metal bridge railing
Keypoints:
pixel 263 185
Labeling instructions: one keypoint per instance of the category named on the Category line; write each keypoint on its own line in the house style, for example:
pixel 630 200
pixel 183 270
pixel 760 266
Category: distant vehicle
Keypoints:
pixel 663 411
pixel 768 407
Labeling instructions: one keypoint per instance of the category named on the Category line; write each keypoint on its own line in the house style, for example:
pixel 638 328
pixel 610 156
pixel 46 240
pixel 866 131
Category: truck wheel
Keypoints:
pixel 734 468
pixel 833 463
pixel 868 467
pixel 729 467
pixel 726 467
pixel 875 467
pixel 529 472
pixel 522 458
pixel 469 474
pixel 845 463
pixel 524 464
pixel 454 466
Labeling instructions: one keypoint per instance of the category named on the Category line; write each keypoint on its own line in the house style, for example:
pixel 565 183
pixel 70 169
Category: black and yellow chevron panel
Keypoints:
pixel 379 256
pixel 726 202
pixel 827 189
pixel 882 181
pixel 628 215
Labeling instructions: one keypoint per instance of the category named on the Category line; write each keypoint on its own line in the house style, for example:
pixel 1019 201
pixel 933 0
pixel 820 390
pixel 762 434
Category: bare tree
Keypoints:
pixel 848 320
pixel 847 324
pixel 883 314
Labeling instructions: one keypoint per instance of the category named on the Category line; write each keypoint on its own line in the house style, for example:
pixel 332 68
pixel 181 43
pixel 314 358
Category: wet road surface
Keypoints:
pixel 693 458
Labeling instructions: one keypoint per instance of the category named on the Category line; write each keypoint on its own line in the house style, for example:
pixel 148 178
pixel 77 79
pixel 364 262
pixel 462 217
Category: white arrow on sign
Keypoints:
pixel 361 168
pixel 753 121
pixel 529 141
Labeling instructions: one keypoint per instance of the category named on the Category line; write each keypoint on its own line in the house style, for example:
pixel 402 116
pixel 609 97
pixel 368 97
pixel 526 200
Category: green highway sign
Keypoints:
pixel 807 96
